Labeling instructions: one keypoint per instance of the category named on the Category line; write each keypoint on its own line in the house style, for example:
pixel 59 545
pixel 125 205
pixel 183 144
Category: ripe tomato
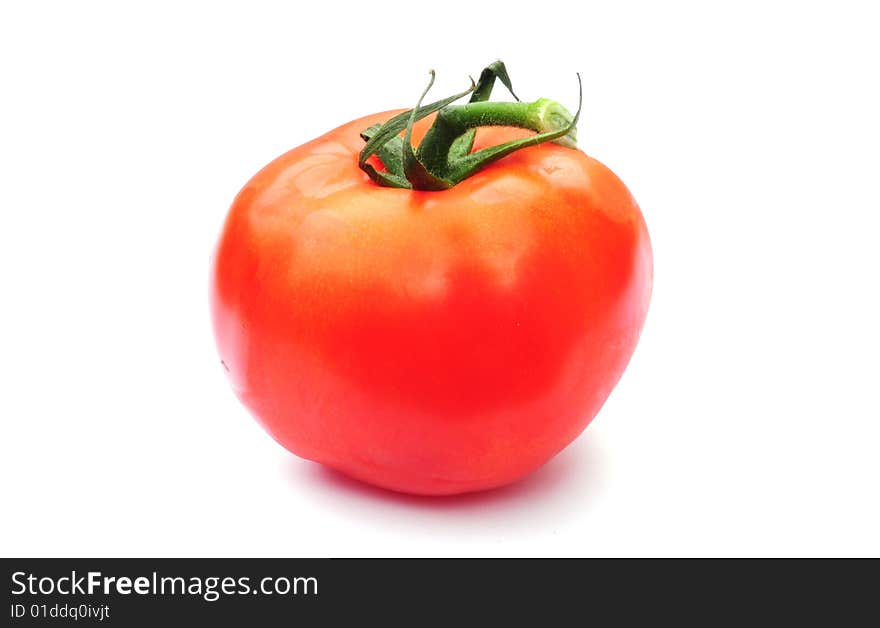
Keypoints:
pixel 429 342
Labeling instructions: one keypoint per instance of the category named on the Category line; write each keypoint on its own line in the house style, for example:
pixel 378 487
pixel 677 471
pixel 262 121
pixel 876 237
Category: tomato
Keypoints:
pixel 430 342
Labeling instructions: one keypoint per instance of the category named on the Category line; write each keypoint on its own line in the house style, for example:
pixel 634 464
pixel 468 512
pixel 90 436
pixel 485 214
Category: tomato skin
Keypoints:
pixel 429 342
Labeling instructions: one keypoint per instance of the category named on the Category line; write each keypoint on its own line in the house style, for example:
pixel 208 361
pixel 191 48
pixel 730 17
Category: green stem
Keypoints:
pixel 541 116
pixel 463 145
pixel 444 156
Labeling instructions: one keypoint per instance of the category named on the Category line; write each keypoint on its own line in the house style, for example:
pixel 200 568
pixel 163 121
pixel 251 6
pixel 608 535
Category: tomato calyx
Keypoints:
pixel 444 157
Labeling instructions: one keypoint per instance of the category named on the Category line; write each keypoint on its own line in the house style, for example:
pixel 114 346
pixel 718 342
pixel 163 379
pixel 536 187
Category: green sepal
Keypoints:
pixel 392 128
pixel 415 171
pixel 390 153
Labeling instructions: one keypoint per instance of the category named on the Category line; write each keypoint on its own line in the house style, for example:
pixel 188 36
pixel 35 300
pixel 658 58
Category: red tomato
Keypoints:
pixel 430 342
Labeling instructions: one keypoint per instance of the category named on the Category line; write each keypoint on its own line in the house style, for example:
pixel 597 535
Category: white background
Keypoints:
pixel 748 422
